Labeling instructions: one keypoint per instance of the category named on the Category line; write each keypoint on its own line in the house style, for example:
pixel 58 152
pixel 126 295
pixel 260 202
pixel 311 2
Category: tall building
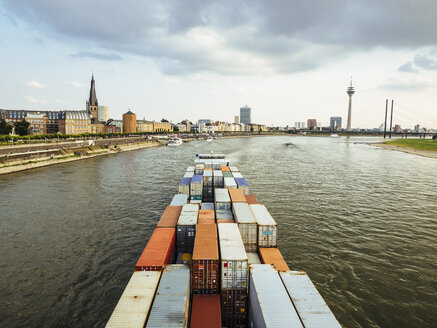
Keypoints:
pixel 245 115
pixel 350 91
pixel 92 103
pixel 335 122
pixel 311 123
pixel 299 125
pixel 236 119
pixel 129 122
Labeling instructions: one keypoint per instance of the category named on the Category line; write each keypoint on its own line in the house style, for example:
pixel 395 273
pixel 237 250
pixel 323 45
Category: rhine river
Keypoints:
pixel 361 221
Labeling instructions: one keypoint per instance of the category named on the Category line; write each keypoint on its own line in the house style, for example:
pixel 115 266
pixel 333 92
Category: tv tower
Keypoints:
pixel 350 91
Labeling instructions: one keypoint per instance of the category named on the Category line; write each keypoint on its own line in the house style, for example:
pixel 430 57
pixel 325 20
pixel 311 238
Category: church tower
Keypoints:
pixel 92 103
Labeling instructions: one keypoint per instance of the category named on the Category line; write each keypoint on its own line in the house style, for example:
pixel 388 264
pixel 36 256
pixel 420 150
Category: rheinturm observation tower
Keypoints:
pixel 350 91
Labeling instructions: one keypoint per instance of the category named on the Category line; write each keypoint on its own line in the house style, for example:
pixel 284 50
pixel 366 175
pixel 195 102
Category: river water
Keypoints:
pixel 361 221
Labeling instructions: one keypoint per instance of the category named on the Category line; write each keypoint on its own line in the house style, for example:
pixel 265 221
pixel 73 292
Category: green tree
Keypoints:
pixel 164 120
pixel 22 128
pixel 5 128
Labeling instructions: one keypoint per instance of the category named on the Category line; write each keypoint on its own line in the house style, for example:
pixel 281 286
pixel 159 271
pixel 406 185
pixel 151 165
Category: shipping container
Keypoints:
pixel 267 228
pixel 184 258
pixel 179 200
pixel 199 169
pixel 225 168
pixel 309 304
pixel 207 206
pixel 225 221
pixel 184 186
pixel 273 256
pixel 242 184
pixel 170 217
pixel 227 174
pixel 135 302
pixel 188 174
pixel 208 164
pixel 196 197
pixel 196 186
pixel 236 175
pixel 253 258
pixel 237 196
pixel 207 214
pixel 171 305
pixel 205 221
pixel 234 264
pixel 186 228
pixel 158 251
pixel 224 215
pixel 205 262
pixel 269 303
pixel 230 183
pixel 208 186
pixel 191 169
pixel 222 199
pixel 217 163
pixel 206 312
pixel 251 199
pixel 234 308
pixel 196 201
pixel 247 225
pixel 218 179
pixel 234 169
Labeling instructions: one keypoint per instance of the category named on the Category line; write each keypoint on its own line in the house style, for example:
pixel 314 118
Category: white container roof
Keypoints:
pixel 242 213
pixel 231 245
pixel 262 215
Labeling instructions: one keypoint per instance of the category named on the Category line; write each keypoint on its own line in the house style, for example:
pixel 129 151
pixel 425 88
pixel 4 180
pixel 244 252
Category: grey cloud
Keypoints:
pixel 85 54
pixel 228 37
pixel 407 85
pixel 408 67
pixel 427 61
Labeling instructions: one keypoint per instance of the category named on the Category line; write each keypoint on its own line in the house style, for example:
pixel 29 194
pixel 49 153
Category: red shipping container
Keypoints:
pixel 205 312
pixel 170 217
pixel 234 308
pixel 251 199
pixel 159 250
pixel 205 276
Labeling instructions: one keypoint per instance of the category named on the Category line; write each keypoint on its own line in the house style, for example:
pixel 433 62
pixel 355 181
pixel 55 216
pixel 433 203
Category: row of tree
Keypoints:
pixel 21 128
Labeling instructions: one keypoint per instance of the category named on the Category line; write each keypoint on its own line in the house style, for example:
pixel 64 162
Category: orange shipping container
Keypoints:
pixel 207 214
pixel 207 168
pixel 251 199
pixel 205 221
pixel 205 311
pixel 273 256
pixel 225 169
pixel 159 250
pixel 225 221
pixel 205 260
pixel 237 195
pixel 170 217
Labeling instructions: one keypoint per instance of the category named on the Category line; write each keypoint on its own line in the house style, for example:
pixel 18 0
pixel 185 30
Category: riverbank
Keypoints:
pixel 425 148
pixel 71 155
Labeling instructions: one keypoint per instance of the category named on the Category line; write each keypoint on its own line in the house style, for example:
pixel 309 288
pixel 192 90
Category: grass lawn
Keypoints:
pixel 419 144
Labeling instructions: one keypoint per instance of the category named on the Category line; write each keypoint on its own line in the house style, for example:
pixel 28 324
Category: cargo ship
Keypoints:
pixel 212 261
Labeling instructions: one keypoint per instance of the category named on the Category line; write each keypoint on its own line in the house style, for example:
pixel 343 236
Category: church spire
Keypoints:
pixel 93 97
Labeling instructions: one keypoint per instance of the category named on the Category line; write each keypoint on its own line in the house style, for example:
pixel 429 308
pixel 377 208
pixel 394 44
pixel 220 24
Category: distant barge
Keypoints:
pixel 213 262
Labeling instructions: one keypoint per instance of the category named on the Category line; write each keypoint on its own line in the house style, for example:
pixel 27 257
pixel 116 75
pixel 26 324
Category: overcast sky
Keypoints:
pixel 288 60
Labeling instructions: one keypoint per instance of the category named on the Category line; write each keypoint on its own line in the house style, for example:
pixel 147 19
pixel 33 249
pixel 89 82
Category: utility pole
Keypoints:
pixel 391 117
pixel 385 121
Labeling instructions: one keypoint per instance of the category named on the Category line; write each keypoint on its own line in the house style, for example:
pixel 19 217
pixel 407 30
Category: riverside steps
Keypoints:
pixel 213 261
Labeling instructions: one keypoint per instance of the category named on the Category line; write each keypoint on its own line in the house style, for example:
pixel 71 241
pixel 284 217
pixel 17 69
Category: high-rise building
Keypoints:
pixel 92 103
pixel 246 115
pixel 236 119
pixel 350 91
pixel 299 125
pixel 416 128
pixel 335 122
pixel 311 123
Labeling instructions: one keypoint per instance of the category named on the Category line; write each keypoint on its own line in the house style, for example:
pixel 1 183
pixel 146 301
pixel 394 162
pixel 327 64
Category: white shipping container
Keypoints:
pixel 199 169
pixel 234 262
pixel 230 183
pixel 188 174
pixel 207 178
pixel 196 185
pixel 224 214
pixel 253 258
pixel 196 201
pixel 267 227
pixel 191 169
pixel 179 200
pixel 222 199
pixel 218 179
pixel 234 169
pixel 208 164
pixel 269 303
pixel 171 305
pixel 312 309
pixel 135 302
pixel 237 175
pixel 189 214
pixel 207 206
pixel 246 224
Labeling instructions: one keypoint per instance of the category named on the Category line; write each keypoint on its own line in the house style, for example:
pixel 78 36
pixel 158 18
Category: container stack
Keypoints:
pixel 234 276
pixel 179 200
pixel 184 186
pixel 267 227
pixel 196 187
pixel 205 312
pixel 208 185
pixel 159 250
pixel 222 199
pixel 218 178
pixel 186 228
pixel 247 225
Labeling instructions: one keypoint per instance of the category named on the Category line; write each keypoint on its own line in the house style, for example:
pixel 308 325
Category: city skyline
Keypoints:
pixel 283 81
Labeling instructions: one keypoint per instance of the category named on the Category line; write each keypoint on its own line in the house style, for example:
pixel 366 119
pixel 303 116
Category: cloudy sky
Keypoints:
pixel 288 60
